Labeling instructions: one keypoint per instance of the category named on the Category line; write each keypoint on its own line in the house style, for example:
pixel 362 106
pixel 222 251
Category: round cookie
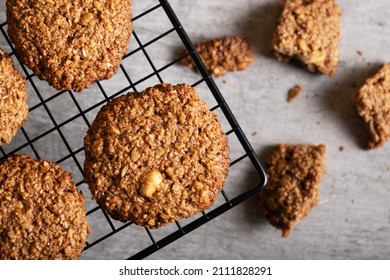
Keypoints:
pixel 13 95
pixel 42 214
pixel 156 157
pixel 70 44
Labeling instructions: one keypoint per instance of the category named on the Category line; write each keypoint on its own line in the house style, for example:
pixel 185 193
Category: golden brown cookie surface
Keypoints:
pixel 309 31
pixel 157 156
pixel 13 95
pixel 70 44
pixel 294 173
pixel 373 105
pixel 42 214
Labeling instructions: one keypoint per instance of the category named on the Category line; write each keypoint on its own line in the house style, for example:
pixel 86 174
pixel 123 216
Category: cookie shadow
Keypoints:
pixel 251 206
pixel 260 25
pixel 337 98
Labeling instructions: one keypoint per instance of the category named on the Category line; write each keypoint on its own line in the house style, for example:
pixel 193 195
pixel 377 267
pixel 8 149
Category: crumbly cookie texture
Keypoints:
pixel 373 105
pixel 230 53
pixel 294 173
pixel 309 31
pixel 13 96
pixel 42 214
pixel 70 44
pixel 156 157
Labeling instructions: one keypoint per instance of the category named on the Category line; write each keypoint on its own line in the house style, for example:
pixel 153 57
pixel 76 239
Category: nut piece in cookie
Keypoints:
pixel 230 53
pixel 372 102
pixel 294 173
pixel 42 214
pixel 156 157
pixel 309 31
pixel 13 99
pixel 70 44
pixel 151 183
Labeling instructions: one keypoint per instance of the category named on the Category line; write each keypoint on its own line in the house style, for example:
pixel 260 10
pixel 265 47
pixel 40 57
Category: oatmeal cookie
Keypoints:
pixel 156 157
pixel 373 105
pixel 294 173
pixel 70 44
pixel 309 31
pixel 13 95
pixel 230 53
pixel 42 215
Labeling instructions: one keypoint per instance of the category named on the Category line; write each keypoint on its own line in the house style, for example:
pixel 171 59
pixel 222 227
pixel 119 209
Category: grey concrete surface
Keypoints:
pixel 352 220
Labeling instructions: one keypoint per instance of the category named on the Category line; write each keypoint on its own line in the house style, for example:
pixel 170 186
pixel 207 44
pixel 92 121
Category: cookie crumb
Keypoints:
pixel 341 148
pixel 293 93
pixel 360 53
pixel 255 133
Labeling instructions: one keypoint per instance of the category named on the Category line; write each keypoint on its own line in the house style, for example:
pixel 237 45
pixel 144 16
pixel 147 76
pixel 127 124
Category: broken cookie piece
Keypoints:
pixel 229 53
pixel 372 102
pixel 294 173
pixel 309 31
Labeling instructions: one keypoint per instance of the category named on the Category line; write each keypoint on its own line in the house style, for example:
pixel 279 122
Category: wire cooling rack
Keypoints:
pixel 58 121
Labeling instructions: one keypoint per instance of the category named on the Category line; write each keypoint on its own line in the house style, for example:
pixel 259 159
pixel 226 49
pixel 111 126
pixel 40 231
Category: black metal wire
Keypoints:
pixel 132 85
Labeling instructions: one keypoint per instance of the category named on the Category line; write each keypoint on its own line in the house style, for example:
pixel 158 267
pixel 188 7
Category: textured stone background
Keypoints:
pixel 353 218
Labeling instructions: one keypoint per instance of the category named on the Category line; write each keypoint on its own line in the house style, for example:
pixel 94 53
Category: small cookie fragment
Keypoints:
pixel 42 214
pixel 372 102
pixel 13 99
pixel 293 93
pixel 294 173
pixel 229 53
pixel 70 44
pixel 309 31
pixel 156 157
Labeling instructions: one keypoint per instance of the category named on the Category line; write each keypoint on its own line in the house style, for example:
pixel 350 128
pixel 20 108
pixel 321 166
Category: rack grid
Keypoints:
pixel 55 129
